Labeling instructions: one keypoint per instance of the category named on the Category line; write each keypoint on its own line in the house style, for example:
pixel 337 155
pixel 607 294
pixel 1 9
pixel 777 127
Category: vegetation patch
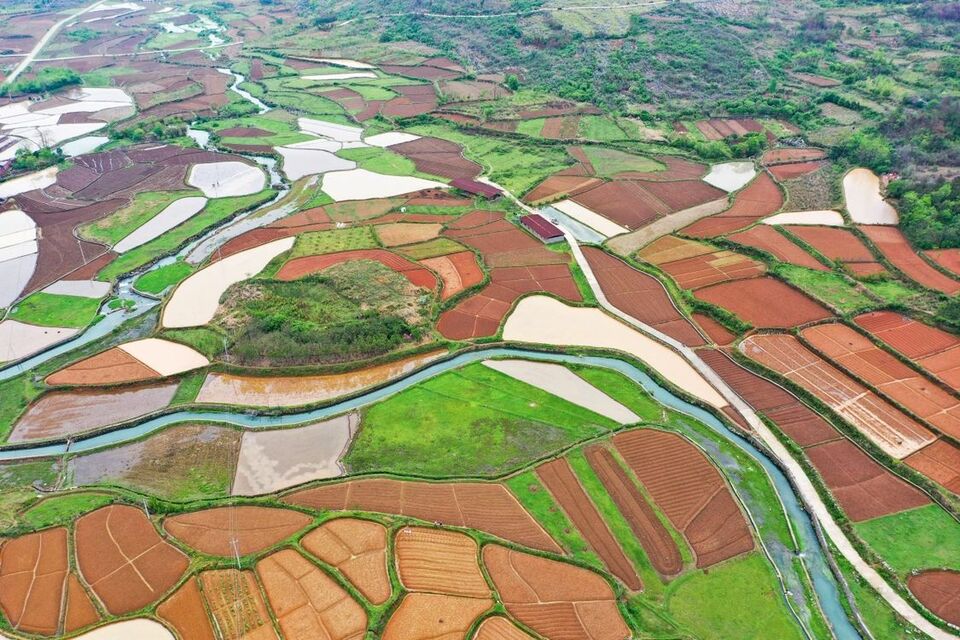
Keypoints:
pixel 609 162
pixel 317 243
pixel 159 280
pixel 920 538
pixel 54 310
pixel 380 160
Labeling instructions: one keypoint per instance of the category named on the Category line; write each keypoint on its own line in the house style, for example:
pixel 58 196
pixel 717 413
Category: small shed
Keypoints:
pixel 476 188
pixel 542 228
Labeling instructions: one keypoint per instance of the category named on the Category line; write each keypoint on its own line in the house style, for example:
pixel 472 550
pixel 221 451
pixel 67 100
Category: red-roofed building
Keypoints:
pixel 542 228
pixel 476 188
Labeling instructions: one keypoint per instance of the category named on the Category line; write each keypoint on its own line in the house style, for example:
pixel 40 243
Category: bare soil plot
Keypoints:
pixel 940 462
pixel 757 200
pixel 458 271
pixel 60 414
pixel 113 366
pixel 124 560
pixel 186 613
pixel 641 296
pixel 786 155
pixel 881 422
pixel 693 265
pixel 277 459
pixel 224 531
pixel 487 507
pixel 764 302
pixel 949 259
pixel 79 611
pixel 636 203
pixel 500 628
pixel 557 187
pixel 301 267
pixel 470 90
pixel 307 602
pixel 33 571
pixel 427 616
pixel 559 479
pixel 438 157
pixel 715 331
pixel 836 244
pixel 855 354
pixel 861 191
pixel 768 239
pixel 795 170
pixel 933 349
pixel 690 491
pixel 555 599
pixel 438 561
pixel 358 549
pixel 656 540
pixel 939 591
pixel 236 605
pixel 287 391
pixel 895 247
pixel 400 233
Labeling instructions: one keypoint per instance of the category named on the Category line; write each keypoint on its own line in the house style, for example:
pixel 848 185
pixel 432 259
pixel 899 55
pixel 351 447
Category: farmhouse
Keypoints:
pixel 542 228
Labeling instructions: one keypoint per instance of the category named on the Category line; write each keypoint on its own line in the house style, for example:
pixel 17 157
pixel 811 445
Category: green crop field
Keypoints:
pixel 919 538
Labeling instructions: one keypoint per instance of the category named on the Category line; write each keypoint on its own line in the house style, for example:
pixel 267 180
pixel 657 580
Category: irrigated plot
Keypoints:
pixel 933 349
pixel 438 561
pixel 877 419
pixel 764 302
pixel 358 549
pixel 228 531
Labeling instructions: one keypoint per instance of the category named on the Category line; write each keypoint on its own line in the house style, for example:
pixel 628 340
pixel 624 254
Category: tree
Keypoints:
pixel 512 82
pixel 867 149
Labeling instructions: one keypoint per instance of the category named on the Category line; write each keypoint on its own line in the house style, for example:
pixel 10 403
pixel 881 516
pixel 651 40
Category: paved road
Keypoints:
pixel 45 39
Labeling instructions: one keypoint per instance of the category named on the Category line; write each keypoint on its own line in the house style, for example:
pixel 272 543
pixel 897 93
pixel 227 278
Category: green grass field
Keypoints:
pixel 380 160
pixel 118 225
pixel 623 390
pixel 158 280
pixel 319 242
pixel 827 287
pixel 601 129
pixel 53 310
pixel 473 421
pixel 916 539
pixel 65 508
pixel 431 248
pixel 609 162
pixel 282 126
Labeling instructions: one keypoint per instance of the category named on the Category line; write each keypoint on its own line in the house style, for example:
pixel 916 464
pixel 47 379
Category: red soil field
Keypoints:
pixel 555 599
pixel 557 187
pixel 796 169
pixel 80 611
pixel 414 100
pixel 757 200
pixel 185 612
pixel 693 265
pixel 559 479
pixel 358 549
pixel 764 302
pixel 501 243
pixel 458 271
pixel 788 155
pixel 33 571
pixel 476 505
pixel 433 616
pixel 438 157
pixel 308 265
pixel 560 128
pixel 766 238
pixel 635 203
pixel 837 244
pixel 307 602
pixel 236 605
pixel 864 488
pixel 939 461
pixel 113 366
pixel 641 296
pixel 500 628
pixel 656 540
pixel 124 560
pixel 891 242
pixel 225 531
pixel 690 491
pixel 933 349
pixel 949 259
pixel 717 333
pixel 884 424
pixel 438 561
pixel 939 591
pixel 860 357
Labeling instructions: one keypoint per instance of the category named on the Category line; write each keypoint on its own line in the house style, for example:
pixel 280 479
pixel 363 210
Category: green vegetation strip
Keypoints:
pixel 54 310
pixel 319 242
pixel 118 225
pixel 158 280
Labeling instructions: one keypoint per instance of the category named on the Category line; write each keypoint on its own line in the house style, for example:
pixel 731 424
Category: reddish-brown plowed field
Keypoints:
pixel 358 549
pixel 124 560
pixel 717 333
pixel 796 169
pixel 438 157
pixel 708 130
pixel 555 599
pixel 863 488
pixel 395 234
pixel 560 186
pixel 458 271
pixel 836 244
pixel 113 366
pixel 307 602
pixel 307 265
pixel 414 100
pixel 766 238
pixel 431 616
pixel 939 461
pixel 487 507
pixel 757 200
pixel 764 302
pixel 939 591
pixel 788 155
pixel 656 540
pixel 796 420
pixel 857 355
pixel 437 561
pixel 705 267
pixel 560 128
pixel 225 531
pixel 884 424
pixel 635 203
pixel 933 349
pixel 641 296
pixel 895 247
pixel 500 628
pixel 80 611
pixel 949 259
pixel 185 612
pixel 236 605
pixel 559 479
pixel 33 569
pixel 690 491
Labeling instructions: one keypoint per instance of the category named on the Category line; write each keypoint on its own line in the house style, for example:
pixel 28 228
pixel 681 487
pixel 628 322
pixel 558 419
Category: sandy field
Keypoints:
pixel 425 616
pixel 224 179
pixel 390 138
pixel 861 191
pixel 358 549
pixel 185 612
pixel 79 288
pixel 338 132
pixel 500 628
pixel 165 357
pixel 36 180
pixel 223 388
pixel 195 300
pixel 590 218
pixel 438 561
pixel 19 340
pixel 824 217
pixel 396 234
pixel 560 381
pixel 273 460
pixel 360 184
pixel 298 163
pixel 175 213
pixel 730 176
pixel 544 320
